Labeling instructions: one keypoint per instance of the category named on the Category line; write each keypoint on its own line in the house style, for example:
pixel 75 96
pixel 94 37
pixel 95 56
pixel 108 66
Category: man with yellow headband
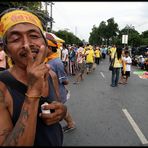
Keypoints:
pixel 24 121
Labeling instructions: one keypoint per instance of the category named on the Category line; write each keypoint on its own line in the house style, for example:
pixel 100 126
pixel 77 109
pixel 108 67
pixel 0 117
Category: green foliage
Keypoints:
pixel 30 5
pixel 105 33
pixel 68 37
pixel 145 34
pixel 144 41
pixel 134 39
pixel 95 36
pixel 108 33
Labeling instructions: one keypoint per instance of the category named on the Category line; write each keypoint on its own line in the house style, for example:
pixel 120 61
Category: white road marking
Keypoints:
pixel 135 127
pixel 102 74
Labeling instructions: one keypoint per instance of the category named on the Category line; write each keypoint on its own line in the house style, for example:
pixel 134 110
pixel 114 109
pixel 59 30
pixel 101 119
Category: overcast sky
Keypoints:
pixel 79 17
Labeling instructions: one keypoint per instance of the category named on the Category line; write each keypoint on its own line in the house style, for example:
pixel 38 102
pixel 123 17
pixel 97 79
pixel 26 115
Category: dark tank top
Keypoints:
pixel 45 135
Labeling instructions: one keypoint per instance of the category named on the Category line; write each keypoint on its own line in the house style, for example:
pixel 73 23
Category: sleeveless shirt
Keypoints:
pixel 45 135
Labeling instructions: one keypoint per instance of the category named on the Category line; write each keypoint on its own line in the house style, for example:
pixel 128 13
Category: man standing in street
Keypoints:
pixel 24 88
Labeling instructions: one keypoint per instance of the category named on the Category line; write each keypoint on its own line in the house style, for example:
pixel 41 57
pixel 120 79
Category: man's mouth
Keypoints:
pixel 33 51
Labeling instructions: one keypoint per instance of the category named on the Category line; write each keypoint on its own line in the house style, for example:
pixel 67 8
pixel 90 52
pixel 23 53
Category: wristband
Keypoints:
pixel 32 97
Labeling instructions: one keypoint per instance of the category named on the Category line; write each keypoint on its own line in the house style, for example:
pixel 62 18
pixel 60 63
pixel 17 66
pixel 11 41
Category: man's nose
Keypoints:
pixel 26 42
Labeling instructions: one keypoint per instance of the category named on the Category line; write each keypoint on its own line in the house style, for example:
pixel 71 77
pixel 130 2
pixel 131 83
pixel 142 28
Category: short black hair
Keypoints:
pixel 126 52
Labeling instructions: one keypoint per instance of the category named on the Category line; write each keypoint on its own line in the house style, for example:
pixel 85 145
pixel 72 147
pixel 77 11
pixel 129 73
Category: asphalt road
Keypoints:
pixel 108 116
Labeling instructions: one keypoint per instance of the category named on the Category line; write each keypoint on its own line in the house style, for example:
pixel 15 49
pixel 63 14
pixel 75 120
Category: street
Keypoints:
pixel 108 116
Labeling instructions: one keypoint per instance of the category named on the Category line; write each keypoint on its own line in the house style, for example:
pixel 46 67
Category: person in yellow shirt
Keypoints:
pixel 90 58
pixel 112 52
pixel 117 64
pixel 97 55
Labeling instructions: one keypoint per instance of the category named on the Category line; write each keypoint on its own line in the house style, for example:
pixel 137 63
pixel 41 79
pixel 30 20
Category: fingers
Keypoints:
pixel 55 116
pixel 41 55
pixel 51 117
pixel 29 55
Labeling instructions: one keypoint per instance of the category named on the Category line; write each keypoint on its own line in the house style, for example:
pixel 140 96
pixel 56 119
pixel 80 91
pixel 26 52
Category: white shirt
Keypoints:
pixel 64 54
pixel 128 60
pixel 141 60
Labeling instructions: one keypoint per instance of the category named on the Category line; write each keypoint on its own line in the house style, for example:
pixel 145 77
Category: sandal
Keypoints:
pixel 67 129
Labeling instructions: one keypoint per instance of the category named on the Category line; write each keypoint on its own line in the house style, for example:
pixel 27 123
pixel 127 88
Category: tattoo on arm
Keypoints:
pixel 5 132
pixel 13 139
pixel 19 131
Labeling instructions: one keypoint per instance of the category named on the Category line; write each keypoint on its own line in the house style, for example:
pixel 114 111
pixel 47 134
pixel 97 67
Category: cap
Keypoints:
pixel 50 40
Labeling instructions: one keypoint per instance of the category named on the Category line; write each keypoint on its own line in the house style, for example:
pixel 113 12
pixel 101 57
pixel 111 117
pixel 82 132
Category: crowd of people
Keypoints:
pixel 81 59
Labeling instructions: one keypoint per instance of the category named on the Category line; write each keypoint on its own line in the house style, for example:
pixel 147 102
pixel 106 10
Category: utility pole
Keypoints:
pixel 51 3
pixel 46 10
pixel 40 5
pixel 46 5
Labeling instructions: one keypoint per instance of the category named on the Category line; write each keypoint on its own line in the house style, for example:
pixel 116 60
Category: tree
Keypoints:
pixel 134 39
pixel 111 30
pixel 144 38
pixel 105 33
pixel 95 36
pixel 145 34
pixel 69 37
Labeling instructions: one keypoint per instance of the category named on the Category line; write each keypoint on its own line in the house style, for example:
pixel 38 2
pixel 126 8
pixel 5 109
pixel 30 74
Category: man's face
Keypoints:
pixel 21 37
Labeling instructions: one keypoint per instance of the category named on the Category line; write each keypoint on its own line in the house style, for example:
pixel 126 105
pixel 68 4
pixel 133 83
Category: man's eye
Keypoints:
pixel 13 40
pixel 34 36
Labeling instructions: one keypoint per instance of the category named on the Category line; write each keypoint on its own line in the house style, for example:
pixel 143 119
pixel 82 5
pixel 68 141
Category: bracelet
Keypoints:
pixel 32 97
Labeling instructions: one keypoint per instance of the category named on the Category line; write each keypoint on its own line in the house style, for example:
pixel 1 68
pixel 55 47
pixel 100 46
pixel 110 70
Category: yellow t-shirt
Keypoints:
pixel 90 56
pixel 59 52
pixel 112 50
pixel 119 63
pixel 97 53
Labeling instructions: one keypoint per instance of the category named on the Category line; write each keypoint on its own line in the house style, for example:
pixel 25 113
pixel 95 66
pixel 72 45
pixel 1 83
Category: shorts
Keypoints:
pixel 81 67
pixel 89 65
pixel 127 73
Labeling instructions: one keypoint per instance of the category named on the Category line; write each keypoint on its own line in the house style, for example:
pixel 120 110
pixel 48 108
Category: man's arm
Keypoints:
pixel 23 133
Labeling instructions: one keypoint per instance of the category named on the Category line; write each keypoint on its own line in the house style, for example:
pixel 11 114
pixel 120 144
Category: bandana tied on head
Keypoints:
pixel 18 16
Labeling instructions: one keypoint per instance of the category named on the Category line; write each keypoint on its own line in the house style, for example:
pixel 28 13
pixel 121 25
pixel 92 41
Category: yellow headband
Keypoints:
pixel 18 16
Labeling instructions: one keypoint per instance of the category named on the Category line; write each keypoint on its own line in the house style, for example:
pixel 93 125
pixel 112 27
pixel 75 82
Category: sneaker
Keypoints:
pixel 113 85
pixel 68 129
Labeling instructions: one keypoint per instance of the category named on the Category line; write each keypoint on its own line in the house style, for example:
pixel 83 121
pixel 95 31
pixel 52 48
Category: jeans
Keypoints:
pixel 115 76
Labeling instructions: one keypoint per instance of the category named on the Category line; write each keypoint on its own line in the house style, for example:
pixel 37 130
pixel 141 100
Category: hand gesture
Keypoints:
pixel 37 71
